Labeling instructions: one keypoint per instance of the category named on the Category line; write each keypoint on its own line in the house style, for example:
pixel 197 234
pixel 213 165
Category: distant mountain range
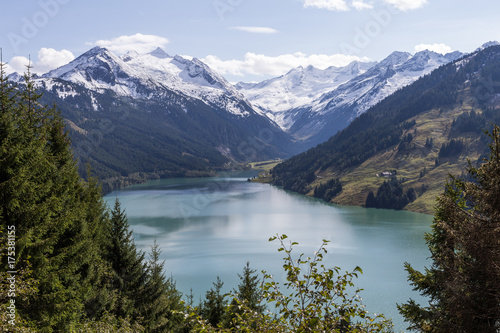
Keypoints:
pixel 313 104
pixel 399 152
pixel 138 116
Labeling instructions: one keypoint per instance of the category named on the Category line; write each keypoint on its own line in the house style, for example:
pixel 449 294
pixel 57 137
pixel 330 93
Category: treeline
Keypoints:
pixel 452 148
pixel 475 122
pixel 391 195
pixel 329 190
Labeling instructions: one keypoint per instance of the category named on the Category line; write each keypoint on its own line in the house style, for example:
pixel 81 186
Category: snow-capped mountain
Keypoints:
pixel 488 44
pixel 396 71
pixel 314 104
pixel 300 86
pixel 149 76
pixel 157 114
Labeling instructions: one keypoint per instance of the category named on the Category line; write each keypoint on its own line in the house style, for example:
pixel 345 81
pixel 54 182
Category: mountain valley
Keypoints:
pixel 149 116
pixel 399 152
pixel 145 116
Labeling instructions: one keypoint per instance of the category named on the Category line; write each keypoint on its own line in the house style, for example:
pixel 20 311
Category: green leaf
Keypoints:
pixel 313 322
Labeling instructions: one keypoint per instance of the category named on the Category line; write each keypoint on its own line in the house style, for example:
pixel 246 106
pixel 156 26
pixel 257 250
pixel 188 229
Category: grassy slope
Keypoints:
pixel 264 167
pixel 435 101
pixel 433 124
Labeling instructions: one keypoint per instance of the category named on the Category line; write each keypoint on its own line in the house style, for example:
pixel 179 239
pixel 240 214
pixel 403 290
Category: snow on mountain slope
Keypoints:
pixel 308 103
pixel 99 69
pixel 305 101
pixel 169 108
pixel 396 71
pixel 149 75
pixel 300 86
pixel 487 44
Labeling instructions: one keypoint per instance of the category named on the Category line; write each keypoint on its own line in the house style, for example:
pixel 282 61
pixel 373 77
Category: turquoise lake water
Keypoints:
pixel 209 227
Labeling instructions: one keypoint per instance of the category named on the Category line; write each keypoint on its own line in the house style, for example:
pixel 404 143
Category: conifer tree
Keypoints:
pixel 215 303
pixel 249 294
pixel 463 281
pixel 161 305
pixel 99 296
pixel 42 195
pixel 249 289
pixel 127 263
pixel 78 266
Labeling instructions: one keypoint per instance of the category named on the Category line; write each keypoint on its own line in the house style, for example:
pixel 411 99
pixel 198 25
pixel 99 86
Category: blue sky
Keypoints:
pixel 245 40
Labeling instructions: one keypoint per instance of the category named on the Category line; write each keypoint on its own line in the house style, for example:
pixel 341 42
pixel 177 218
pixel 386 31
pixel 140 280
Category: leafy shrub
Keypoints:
pixel 313 299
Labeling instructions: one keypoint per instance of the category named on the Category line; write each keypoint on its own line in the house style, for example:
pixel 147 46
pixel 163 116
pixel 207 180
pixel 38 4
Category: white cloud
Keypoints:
pixel 259 64
pixel 406 5
pixel 17 64
pixel 48 59
pixel 360 5
pixel 138 42
pixel 338 5
pixel 256 30
pixel 438 48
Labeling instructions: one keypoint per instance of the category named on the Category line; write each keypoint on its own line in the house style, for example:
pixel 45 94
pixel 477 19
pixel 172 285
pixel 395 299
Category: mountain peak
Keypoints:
pixel 160 53
pixel 95 51
pixel 130 55
pixel 488 44
pixel 95 55
pixel 425 52
pixel 425 56
pixel 395 58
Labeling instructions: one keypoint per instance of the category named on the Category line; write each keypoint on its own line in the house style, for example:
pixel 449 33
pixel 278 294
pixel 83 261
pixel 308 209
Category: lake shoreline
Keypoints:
pixel 209 227
pixel 266 179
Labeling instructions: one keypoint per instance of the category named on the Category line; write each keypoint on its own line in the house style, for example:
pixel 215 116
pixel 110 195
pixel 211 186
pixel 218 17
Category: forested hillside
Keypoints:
pixel 417 135
pixel 130 139
pixel 154 116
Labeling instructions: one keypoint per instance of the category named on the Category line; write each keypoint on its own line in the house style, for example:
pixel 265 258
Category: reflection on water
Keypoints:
pixel 213 226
